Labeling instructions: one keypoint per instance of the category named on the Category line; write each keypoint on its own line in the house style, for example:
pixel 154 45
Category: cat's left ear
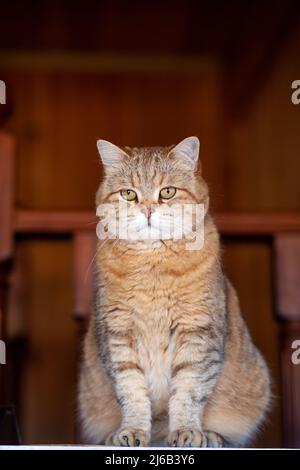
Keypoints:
pixel 188 149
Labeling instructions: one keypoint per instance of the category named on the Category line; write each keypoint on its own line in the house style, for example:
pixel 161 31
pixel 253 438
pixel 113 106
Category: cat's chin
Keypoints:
pixel 142 244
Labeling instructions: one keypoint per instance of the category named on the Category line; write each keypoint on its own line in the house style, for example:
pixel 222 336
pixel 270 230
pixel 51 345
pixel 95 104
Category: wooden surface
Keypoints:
pixel 287 276
pixel 7 156
pixel 290 331
pixel 287 279
pixel 84 252
pixel 31 221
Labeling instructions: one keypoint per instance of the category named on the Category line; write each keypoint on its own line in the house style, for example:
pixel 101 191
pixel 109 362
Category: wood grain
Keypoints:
pixel 84 249
pixel 287 276
pixel 7 158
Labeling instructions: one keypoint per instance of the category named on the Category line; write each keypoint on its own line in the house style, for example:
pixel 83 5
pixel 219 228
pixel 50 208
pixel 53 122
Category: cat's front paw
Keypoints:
pixel 131 438
pixel 187 438
pixel 214 439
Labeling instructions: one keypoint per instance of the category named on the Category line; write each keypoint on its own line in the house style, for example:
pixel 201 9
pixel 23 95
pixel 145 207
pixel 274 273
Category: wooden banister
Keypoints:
pixel 6 240
pixel 229 223
pixel 84 246
pixel 7 151
pixel 287 278
pixel 59 222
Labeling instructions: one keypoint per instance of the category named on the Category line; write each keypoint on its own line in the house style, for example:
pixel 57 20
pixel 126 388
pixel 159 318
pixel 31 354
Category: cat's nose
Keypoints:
pixel 147 211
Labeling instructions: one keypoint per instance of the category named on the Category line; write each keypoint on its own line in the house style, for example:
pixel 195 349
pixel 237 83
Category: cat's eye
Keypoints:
pixel 128 194
pixel 167 193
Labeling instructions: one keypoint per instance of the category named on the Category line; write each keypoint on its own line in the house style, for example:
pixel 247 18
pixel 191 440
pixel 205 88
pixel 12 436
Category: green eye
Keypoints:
pixel 128 194
pixel 167 193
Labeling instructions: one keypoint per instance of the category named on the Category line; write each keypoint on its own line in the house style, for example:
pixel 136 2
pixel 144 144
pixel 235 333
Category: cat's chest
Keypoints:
pixel 155 350
pixel 155 309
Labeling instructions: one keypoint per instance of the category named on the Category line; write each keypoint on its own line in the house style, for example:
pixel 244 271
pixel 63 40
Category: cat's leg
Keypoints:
pixel 116 412
pixel 113 403
pixel 196 368
pixel 131 392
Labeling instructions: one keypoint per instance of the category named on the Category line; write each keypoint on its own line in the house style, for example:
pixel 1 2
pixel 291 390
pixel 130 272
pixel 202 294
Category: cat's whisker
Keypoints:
pixel 90 264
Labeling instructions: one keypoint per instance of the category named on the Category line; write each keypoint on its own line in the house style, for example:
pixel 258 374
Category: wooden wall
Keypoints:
pixel 250 163
pixel 262 168
pixel 263 157
pixel 58 116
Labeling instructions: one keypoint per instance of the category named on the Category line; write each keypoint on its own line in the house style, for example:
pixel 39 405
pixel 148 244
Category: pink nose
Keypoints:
pixel 147 210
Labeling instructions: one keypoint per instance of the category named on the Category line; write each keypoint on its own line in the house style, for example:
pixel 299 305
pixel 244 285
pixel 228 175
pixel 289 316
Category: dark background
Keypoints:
pixel 143 73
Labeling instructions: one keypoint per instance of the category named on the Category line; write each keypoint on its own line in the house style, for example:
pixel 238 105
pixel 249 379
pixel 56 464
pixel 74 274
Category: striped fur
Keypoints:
pixel 167 354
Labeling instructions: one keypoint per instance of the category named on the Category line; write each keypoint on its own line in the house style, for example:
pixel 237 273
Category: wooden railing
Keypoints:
pixel 281 230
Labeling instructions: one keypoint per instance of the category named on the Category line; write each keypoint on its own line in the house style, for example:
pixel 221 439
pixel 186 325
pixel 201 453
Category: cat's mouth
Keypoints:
pixel 150 231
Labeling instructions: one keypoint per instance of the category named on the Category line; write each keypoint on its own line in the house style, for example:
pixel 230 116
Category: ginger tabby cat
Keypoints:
pixel 167 354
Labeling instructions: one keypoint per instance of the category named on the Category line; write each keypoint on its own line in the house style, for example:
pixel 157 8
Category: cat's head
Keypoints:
pixel 149 183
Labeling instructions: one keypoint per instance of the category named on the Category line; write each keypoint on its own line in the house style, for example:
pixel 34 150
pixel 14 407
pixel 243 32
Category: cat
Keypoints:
pixel 167 355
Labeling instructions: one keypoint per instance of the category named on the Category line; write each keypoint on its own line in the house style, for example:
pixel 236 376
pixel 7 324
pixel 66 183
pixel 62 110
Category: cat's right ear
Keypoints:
pixel 111 155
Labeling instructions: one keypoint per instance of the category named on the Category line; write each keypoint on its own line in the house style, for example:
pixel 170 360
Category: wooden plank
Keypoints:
pixel 84 246
pixel 7 150
pixel 290 384
pixel 105 62
pixel 287 276
pixel 287 282
pixel 229 223
pixel 257 223
pixel 40 221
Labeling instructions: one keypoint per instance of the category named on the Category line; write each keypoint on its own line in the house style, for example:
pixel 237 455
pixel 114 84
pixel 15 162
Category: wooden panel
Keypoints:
pixel 49 377
pixel 84 252
pixel 257 223
pixel 290 332
pixel 59 222
pixel 176 27
pixel 263 167
pixel 251 60
pixel 287 276
pixel 263 159
pixel 232 223
pixel 105 62
pixel 61 115
pixel 248 265
pixel 7 151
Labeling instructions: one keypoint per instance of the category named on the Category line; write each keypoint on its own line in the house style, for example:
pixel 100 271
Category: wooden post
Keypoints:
pixel 7 150
pixel 6 240
pixel 287 265
pixel 84 245
pixel 84 249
